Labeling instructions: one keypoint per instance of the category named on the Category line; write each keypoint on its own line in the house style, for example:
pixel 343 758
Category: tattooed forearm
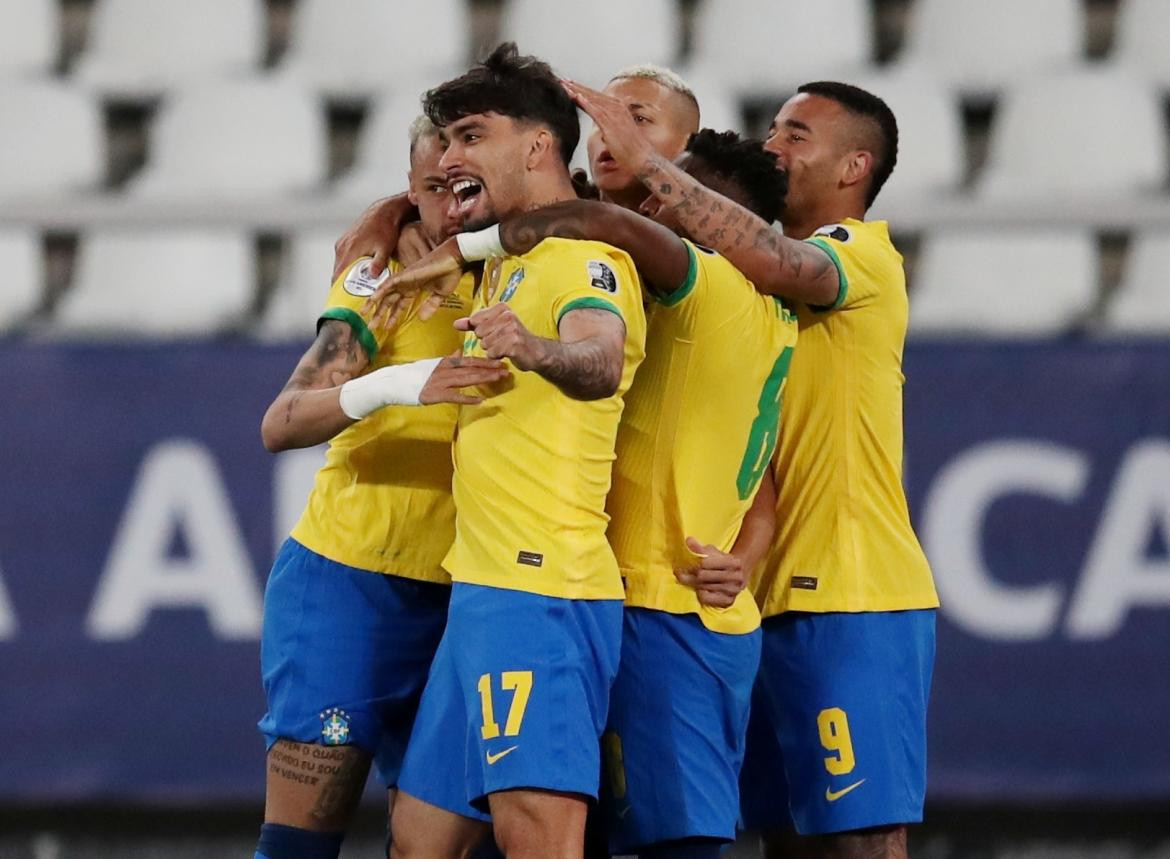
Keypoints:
pixel 584 370
pixel 336 349
pixel 588 365
pixel 659 255
pixel 568 219
pixel 306 411
pixel 776 264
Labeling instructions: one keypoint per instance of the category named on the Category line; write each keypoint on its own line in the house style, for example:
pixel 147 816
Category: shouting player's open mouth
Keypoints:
pixel 467 190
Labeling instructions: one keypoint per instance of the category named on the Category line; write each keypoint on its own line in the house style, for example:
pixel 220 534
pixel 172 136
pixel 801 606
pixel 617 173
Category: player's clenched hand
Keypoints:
pixel 458 371
pixel 438 272
pixel 717 579
pixel 625 142
pixel 503 335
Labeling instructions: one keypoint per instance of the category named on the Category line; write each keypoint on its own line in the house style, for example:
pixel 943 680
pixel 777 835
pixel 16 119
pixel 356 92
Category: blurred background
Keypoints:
pixel 172 177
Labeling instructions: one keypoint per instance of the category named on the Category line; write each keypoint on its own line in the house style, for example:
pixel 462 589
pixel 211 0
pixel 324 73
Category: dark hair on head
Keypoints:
pixel 863 103
pixel 745 163
pixel 510 84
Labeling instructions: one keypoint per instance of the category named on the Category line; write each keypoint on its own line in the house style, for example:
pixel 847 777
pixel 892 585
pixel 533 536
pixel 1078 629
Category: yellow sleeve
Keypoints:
pixel 710 278
pixel 851 251
pixel 596 276
pixel 346 298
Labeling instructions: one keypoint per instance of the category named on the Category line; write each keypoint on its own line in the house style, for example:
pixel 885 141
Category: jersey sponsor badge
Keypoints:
pixel 602 276
pixel 532 559
pixel 358 282
pixel 513 282
pixel 335 727
pixel 836 232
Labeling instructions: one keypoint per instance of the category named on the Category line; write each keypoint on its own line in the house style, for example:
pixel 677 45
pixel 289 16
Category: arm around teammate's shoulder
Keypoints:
pixel 661 257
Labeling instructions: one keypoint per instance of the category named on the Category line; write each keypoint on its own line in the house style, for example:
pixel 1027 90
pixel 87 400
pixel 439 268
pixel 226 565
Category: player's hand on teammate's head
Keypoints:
pixel 718 577
pixel 625 142
pixel 374 233
pixel 458 371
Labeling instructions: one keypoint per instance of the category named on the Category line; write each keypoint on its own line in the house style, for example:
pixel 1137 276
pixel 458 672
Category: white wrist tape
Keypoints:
pixel 480 244
pixel 400 385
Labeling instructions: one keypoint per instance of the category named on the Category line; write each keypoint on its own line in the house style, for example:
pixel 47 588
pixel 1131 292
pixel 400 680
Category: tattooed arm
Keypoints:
pixel 311 408
pixel 659 255
pixel 775 264
pixel 585 363
pixel 307 411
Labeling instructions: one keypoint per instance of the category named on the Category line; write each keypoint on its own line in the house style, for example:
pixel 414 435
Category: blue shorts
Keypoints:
pixel 675 739
pixel 837 739
pixel 516 698
pixel 345 654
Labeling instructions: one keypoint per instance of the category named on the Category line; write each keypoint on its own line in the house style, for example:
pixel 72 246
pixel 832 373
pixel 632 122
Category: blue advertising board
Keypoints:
pixel 139 514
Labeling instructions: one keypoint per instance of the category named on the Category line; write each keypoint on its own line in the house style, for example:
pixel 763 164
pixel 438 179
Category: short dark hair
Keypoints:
pixel 510 84
pixel 745 163
pixel 865 104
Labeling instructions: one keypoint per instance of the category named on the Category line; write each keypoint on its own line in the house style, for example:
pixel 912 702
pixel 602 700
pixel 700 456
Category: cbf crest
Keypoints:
pixel 335 727
pixel 513 282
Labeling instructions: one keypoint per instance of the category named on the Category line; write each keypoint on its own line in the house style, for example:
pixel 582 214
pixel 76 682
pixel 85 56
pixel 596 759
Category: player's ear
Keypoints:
pixel 857 167
pixel 410 195
pixel 542 142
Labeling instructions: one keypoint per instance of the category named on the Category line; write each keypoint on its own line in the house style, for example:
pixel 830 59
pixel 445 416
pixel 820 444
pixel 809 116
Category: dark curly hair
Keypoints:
pixel 883 137
pixel 746 164
pixel 510 84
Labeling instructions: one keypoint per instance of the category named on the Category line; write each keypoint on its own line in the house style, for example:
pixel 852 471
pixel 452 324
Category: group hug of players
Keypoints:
pixel 606 477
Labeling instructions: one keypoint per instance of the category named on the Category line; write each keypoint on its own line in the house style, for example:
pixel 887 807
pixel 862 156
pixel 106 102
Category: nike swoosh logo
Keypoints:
pixel 622 814
pixel 834 795
pixel 491 759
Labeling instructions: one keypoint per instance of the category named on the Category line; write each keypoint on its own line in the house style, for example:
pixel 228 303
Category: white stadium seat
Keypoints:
pixel 304 285
pixel 142 48
pixel 159 283
pixel 719 106
pixel 1077 136
pixel 979 46
pixel 236 141
pixel 1142 305
pixel 1003 283
pixel 1143 29
pixel 770 46
pixel 52 140
pixel 360 48
pixel 589 40
pixel 21 275
pixel 931 154
pixel 383 155
pixel 28 36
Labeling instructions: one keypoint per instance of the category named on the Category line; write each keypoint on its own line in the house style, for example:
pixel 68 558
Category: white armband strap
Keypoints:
pixel 400 385
pixel 480 244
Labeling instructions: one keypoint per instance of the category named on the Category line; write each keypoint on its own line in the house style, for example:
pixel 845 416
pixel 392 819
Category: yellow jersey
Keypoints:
pixel 382 501
pixel 844 542
pixel 532 465
pixel 698 433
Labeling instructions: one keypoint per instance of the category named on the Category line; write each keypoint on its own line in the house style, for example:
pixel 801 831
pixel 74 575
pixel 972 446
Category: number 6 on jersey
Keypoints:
pixel 520 683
